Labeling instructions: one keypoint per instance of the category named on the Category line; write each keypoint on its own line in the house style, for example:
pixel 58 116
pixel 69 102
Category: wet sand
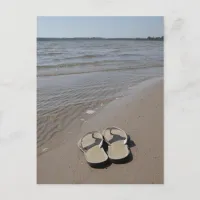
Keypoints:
pixel 62 101
pixel 140 114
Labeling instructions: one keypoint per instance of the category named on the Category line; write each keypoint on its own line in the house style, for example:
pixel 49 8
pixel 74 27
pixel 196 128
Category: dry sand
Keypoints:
pixel 140 114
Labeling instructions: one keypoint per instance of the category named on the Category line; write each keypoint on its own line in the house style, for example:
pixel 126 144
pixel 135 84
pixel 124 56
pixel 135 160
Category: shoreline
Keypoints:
pixel 140 114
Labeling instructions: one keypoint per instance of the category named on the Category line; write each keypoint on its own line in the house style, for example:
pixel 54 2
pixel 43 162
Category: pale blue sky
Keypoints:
pixel 109 27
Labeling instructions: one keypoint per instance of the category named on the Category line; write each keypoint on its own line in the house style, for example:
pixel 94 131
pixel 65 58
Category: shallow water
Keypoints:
pixel 74 76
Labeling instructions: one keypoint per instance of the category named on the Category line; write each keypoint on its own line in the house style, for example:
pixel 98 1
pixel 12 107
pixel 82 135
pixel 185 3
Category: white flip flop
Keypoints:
pixel 117 140
pixel 91 145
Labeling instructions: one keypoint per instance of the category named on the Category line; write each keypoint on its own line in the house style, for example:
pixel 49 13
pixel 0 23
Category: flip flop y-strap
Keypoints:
pixel 109 142
pixel 105 137
pixel 84 149
pixel 126 137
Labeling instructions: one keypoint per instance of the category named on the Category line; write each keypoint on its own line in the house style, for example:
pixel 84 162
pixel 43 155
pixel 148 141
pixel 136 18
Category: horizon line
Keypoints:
pixel 101 37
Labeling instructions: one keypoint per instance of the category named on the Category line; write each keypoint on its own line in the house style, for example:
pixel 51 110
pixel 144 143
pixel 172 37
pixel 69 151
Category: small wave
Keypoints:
pixel 96 70
pixel 80 72
pixel 90 56
pixel 49 53
pixel 87 56
pixel 130 54
pixel 80 64
pixel 72 57
pixel 68 65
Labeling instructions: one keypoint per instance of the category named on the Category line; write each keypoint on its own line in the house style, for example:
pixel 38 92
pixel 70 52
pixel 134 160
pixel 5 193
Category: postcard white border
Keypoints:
pixel 18 99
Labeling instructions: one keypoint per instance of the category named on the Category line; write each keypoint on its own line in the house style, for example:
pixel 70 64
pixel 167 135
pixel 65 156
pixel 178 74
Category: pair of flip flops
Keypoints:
pixel 91 145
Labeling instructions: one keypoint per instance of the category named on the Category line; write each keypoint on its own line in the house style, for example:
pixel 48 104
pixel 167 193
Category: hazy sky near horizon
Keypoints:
pixel 108 27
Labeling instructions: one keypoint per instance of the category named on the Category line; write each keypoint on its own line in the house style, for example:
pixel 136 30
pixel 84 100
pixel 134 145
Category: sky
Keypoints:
pixel 108 27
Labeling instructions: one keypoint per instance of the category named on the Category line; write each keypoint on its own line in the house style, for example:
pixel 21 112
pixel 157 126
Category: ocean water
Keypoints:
pixel 74 76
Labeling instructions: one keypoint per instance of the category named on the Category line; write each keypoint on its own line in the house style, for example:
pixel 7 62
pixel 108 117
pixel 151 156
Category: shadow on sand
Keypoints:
pixel 103 165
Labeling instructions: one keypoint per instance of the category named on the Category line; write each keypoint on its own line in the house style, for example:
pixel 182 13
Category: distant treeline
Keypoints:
pixel 99 38
pixel 155 38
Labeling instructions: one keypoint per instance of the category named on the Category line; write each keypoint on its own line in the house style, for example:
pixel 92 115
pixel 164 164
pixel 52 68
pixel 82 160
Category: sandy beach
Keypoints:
pixel 140 113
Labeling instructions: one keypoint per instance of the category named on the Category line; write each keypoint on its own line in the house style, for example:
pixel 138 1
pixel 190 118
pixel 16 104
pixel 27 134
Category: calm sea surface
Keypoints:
pixel 76 75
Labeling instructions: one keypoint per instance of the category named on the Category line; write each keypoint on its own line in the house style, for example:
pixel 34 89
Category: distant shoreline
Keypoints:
pixel 99 38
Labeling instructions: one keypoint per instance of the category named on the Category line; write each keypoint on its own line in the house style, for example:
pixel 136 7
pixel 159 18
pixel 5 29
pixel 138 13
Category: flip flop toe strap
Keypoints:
pixel 84 149
pixel 110 142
